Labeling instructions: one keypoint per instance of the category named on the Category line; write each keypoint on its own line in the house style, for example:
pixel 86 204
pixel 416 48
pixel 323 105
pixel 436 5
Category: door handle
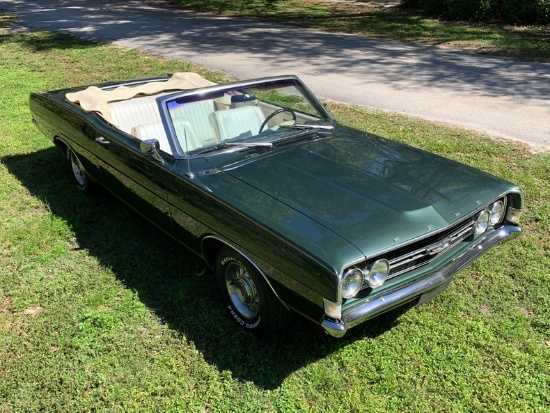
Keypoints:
pixel 101 140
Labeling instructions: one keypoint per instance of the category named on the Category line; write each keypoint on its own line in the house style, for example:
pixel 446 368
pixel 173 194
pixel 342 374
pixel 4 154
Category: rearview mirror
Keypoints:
pixel 246 97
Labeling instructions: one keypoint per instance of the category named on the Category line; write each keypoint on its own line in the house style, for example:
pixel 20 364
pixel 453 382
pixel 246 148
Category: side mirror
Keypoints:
pixel 151 146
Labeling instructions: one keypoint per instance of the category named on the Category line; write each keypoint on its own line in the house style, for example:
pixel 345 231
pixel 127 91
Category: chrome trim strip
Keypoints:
pixel 403 294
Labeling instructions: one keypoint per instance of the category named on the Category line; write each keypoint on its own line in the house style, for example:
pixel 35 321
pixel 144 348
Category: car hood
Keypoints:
pixel 373 192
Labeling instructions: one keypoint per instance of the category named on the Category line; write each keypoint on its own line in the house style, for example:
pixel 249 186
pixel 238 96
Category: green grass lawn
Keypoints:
pixel 368 18
pixel 101 312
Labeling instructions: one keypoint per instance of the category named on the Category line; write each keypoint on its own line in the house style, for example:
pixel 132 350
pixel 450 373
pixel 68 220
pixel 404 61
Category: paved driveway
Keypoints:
pixel 502 97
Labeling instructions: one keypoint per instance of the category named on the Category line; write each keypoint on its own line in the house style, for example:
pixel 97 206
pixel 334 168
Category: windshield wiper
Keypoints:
pixel 225 145
pixel 246 144
pixel 300 126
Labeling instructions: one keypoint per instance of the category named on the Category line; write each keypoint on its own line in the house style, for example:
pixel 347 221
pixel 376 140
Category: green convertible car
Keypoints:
pixel 293 212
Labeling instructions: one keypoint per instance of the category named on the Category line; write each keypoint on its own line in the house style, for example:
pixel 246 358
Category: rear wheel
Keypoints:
pixel 77 172
pixel 247 296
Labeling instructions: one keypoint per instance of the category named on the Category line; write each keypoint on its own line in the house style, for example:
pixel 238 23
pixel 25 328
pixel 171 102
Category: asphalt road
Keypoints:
pixel 500 96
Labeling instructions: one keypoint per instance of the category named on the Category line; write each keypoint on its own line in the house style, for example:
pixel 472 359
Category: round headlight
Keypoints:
pixel 378 273
pixel 482 222
pixel 351 282
pixel 496 213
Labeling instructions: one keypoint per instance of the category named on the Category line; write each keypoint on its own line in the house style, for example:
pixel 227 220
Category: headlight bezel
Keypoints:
pixel 374 277
pixel 492 214
pixel 481 223
pixel 497 212
pixel 352 282
pixel 356 279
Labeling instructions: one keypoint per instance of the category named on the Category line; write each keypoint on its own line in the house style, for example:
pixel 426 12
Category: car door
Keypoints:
pixel 136 178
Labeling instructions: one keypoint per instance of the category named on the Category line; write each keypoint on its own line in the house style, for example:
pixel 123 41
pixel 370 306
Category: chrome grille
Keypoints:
pixel 422 252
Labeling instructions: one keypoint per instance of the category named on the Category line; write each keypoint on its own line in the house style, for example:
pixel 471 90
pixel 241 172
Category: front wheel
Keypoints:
pixel 247 297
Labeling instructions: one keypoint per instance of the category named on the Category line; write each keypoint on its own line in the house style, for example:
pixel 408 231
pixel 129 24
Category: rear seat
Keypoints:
pixel 127 114
pixel 121 106
pixel 140 117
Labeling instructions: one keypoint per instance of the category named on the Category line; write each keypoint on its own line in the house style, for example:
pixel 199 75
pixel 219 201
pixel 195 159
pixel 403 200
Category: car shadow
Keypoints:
pixel 164 275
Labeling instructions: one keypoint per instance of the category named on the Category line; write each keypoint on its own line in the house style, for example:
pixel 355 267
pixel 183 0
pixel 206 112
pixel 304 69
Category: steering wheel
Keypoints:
pixel 269 117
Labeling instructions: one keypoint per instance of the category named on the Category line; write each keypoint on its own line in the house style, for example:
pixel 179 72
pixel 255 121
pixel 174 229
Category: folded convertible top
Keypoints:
pixel 94 99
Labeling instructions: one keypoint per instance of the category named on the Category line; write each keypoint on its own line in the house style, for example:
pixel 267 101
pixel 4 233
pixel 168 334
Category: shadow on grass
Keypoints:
pixel 48 41
pixel 164 276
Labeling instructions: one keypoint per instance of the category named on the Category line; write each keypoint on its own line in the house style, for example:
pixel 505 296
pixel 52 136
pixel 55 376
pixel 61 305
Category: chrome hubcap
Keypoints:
pixel 242 290
pixel 78 169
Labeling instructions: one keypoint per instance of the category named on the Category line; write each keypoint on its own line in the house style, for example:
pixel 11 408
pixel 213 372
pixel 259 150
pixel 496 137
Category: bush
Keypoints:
pixel 506 11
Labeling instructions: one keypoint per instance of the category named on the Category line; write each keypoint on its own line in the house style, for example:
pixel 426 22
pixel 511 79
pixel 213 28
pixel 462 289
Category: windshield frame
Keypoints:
pixel 163 104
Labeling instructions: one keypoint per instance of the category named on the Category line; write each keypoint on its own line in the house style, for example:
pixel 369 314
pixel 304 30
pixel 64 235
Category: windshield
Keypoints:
pixel 249 115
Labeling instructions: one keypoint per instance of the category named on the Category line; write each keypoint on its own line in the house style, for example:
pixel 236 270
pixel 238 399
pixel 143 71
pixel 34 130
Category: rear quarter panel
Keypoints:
pixel 58 119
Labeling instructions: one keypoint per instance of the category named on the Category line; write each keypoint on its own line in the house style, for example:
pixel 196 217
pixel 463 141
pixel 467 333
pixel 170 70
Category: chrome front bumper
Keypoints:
pixel 424 289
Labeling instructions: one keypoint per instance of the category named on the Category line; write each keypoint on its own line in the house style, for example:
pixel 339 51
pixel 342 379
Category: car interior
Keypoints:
pixel 200 123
